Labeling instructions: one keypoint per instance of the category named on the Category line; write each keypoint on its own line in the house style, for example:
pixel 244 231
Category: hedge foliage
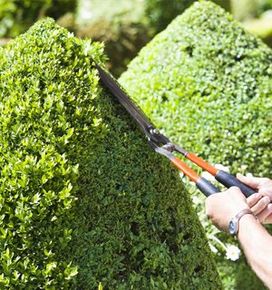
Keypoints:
pixel 208 86
pixel 83 200
pixel 161 12
pixel 206 82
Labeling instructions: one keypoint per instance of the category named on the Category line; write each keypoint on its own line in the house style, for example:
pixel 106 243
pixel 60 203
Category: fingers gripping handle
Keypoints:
pixel 229 180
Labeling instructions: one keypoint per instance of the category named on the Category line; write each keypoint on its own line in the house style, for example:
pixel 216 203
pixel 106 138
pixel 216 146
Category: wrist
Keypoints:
pixel 234 222
pixel 246 223
pixel 239 207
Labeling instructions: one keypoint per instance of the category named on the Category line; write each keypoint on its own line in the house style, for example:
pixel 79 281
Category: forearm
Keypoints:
pixel 256 243
pixel 222 207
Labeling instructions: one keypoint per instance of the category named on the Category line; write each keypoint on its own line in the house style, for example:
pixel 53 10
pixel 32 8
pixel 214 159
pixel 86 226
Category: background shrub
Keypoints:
pixel 248 9
pixel 256 16
pixel 126 25
pixel 162 12
pixel 16 16
pixel 83 199
pixel 120 26
pixel 206 82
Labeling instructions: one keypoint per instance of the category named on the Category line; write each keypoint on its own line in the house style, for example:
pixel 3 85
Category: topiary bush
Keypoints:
pixel 212 83
pixel 161 12
pixel 206 82
pixel 83 200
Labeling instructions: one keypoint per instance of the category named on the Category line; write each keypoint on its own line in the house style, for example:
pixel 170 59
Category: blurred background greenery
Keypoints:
pixel 125 26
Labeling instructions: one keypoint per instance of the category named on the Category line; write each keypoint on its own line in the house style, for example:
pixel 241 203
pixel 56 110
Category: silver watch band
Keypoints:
pixel 234 222
pixel 242 213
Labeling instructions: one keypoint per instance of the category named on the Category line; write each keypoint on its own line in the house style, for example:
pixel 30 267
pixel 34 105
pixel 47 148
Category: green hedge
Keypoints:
pixel 83 199
pixel 161 12
pixel 206 82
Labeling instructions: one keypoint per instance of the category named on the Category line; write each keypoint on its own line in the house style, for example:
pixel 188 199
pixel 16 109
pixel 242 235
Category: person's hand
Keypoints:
pixel 223 206
pixel 260 202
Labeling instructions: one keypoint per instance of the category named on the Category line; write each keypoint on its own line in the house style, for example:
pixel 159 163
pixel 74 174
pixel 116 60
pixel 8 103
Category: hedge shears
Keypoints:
pixel 162 145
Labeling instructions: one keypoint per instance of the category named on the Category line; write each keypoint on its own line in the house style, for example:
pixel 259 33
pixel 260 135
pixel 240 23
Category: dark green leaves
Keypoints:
pixel 83 199
pixel 207 84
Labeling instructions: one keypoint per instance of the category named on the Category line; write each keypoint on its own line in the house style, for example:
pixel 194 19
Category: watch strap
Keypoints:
pixel 234 222
pixel 242 213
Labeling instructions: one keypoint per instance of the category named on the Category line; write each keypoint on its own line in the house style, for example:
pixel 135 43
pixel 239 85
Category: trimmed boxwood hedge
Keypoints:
pixel 83 199
pixel 161 12
pixel 207 83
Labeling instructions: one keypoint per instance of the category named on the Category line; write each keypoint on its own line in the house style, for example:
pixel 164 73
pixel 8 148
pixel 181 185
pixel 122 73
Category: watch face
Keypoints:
pixel 233 227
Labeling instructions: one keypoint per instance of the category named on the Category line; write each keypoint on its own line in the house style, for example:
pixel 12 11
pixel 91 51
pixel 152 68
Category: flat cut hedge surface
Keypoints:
pixel 83 199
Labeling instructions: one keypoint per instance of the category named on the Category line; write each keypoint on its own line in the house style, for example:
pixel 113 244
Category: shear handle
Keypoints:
pixel 203 185
pixel 222 176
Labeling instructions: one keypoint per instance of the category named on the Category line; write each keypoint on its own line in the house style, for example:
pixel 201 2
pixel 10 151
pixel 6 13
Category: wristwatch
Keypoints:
pixel 234 222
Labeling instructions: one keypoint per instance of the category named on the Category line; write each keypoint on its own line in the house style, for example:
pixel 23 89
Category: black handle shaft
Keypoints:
pixel 229 180
pixel 206 187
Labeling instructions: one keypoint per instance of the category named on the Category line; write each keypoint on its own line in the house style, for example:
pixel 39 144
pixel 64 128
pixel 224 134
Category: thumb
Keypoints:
pixel 253 182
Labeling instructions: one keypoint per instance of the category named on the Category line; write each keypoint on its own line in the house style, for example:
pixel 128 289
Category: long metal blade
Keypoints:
pixel 143 121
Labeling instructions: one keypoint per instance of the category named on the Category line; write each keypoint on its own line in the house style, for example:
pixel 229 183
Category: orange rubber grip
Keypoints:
pixel 183 167
pixel 202 163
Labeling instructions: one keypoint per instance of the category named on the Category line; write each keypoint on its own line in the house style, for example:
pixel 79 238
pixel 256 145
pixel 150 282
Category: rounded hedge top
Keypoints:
pixel 205 81
pixel 83 199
